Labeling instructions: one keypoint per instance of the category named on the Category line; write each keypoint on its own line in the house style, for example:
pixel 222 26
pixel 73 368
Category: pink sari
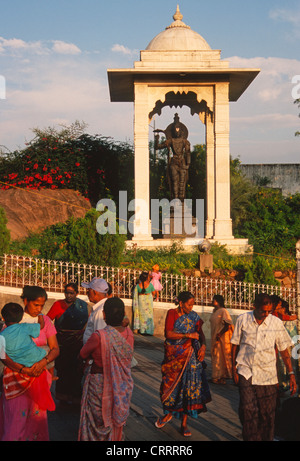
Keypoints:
pixel 106 397
pixel 21 417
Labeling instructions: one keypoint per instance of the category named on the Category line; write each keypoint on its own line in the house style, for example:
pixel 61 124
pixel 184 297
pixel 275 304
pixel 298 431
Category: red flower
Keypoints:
pixel 35 166
pixel 77 164
pixel 13 175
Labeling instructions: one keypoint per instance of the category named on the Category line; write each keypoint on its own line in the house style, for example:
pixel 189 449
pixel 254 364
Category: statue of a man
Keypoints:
pixel 179 157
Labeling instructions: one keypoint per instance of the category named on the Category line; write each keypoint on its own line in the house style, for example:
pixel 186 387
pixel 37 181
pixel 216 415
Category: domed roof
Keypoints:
pixel 178 37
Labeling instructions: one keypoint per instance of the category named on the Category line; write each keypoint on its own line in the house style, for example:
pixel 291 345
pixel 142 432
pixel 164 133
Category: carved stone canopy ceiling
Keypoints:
pixel 180 99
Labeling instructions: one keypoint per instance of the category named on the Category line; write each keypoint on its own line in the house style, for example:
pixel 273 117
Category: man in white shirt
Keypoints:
pixel 97 290
pixel 255 336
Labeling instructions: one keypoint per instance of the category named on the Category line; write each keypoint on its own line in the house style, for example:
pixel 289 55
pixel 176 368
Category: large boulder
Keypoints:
pixel 30 211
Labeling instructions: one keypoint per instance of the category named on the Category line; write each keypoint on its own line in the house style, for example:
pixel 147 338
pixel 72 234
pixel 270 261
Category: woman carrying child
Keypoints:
pixel 21 417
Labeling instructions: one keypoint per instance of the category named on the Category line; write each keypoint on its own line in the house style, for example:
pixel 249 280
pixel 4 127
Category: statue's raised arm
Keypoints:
pixel 179 156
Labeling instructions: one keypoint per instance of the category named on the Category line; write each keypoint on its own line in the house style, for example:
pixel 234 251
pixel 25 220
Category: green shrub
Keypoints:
pixel 76 240
pixel 4 232
pixel 261 272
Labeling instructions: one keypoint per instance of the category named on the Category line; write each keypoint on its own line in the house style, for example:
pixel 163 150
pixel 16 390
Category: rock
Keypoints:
pixel 29 211
pixel 287 282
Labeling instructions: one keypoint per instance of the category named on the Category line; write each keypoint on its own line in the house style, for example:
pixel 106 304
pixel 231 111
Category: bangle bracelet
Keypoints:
pixel 291 373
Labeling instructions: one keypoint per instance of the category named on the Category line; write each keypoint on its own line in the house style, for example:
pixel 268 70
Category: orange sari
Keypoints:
pixel 221 350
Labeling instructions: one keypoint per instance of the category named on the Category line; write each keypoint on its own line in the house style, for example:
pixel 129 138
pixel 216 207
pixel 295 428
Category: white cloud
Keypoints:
pixel 274 83
pixel 284 15
pixel 65 48
pixel 122 49
pixel 292 17
pixel 16 46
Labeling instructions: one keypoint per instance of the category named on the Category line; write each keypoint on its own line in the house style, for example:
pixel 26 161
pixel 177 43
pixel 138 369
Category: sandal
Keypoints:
pixel 185 432
pixel 161 423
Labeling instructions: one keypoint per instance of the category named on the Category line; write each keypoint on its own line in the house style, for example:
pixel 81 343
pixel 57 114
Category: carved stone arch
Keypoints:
pixel 199 103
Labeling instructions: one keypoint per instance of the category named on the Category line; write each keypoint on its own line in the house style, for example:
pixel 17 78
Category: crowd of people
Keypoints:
pixel 87 349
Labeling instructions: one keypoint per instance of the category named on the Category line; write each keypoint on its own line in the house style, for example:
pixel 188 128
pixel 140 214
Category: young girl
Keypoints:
pixel 156 276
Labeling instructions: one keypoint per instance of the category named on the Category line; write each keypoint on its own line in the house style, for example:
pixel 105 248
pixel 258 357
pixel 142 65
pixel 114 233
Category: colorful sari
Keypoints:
pixel 106 396
pixel 184 388
pixel 143 310
pixel 70 328
pixel 221 350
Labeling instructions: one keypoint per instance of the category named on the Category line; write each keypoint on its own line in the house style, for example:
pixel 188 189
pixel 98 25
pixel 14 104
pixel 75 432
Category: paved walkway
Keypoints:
pixel 220 423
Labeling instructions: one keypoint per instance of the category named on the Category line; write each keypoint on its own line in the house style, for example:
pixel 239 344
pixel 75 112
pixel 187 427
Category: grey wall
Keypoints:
pixel 284 176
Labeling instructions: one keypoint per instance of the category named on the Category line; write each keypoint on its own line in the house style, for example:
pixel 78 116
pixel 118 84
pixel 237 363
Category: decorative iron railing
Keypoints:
pixel 17 271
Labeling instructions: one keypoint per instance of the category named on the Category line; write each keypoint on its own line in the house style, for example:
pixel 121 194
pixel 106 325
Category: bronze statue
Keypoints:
pixel 179 157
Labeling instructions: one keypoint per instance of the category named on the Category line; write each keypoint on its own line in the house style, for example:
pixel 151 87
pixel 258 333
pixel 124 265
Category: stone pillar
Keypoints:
pixel 141 223
pixel 210 177
pixel 223 223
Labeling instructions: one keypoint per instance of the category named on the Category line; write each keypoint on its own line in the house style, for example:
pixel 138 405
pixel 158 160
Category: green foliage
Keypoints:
pixel 196 188
pixel 85 244
pixel 241 191
pixel 272 222
pixel 77 241
pixel 171 260
pixel 261 272
pixel 4 232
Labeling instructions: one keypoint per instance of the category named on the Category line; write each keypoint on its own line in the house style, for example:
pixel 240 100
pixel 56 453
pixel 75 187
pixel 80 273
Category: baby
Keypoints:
pixel 19 345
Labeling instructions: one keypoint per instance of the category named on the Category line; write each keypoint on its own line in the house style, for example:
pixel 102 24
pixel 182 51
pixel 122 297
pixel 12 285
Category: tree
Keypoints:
pixel 68 158
pixel 4 232
pixel 241 191
pixel 78 241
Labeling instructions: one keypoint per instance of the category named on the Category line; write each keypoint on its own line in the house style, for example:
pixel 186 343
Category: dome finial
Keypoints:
pixel 177 16
pixel 178 20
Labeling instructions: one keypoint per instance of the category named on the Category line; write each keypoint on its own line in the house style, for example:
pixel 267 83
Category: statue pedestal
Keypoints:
pixel 206 263
pixel 180 224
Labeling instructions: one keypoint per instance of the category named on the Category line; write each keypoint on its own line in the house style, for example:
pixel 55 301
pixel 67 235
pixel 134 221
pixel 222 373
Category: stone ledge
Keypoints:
pixel 10 294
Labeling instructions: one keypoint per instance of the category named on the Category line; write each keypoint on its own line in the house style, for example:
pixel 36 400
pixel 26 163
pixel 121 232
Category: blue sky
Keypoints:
pixel 54 57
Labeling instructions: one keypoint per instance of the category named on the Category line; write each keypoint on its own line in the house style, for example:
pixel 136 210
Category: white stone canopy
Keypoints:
pixel 178 68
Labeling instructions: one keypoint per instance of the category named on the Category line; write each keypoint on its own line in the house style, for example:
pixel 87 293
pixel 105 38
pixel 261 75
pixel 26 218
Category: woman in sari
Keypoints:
pixel 221 332
pixel 23 413
pixel 143 305
pixel 70 316
pixel 281 310
pixel 184 389
pixel 108 385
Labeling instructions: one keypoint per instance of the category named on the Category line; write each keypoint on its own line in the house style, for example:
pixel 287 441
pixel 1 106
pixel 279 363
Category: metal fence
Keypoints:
pixel 18 271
